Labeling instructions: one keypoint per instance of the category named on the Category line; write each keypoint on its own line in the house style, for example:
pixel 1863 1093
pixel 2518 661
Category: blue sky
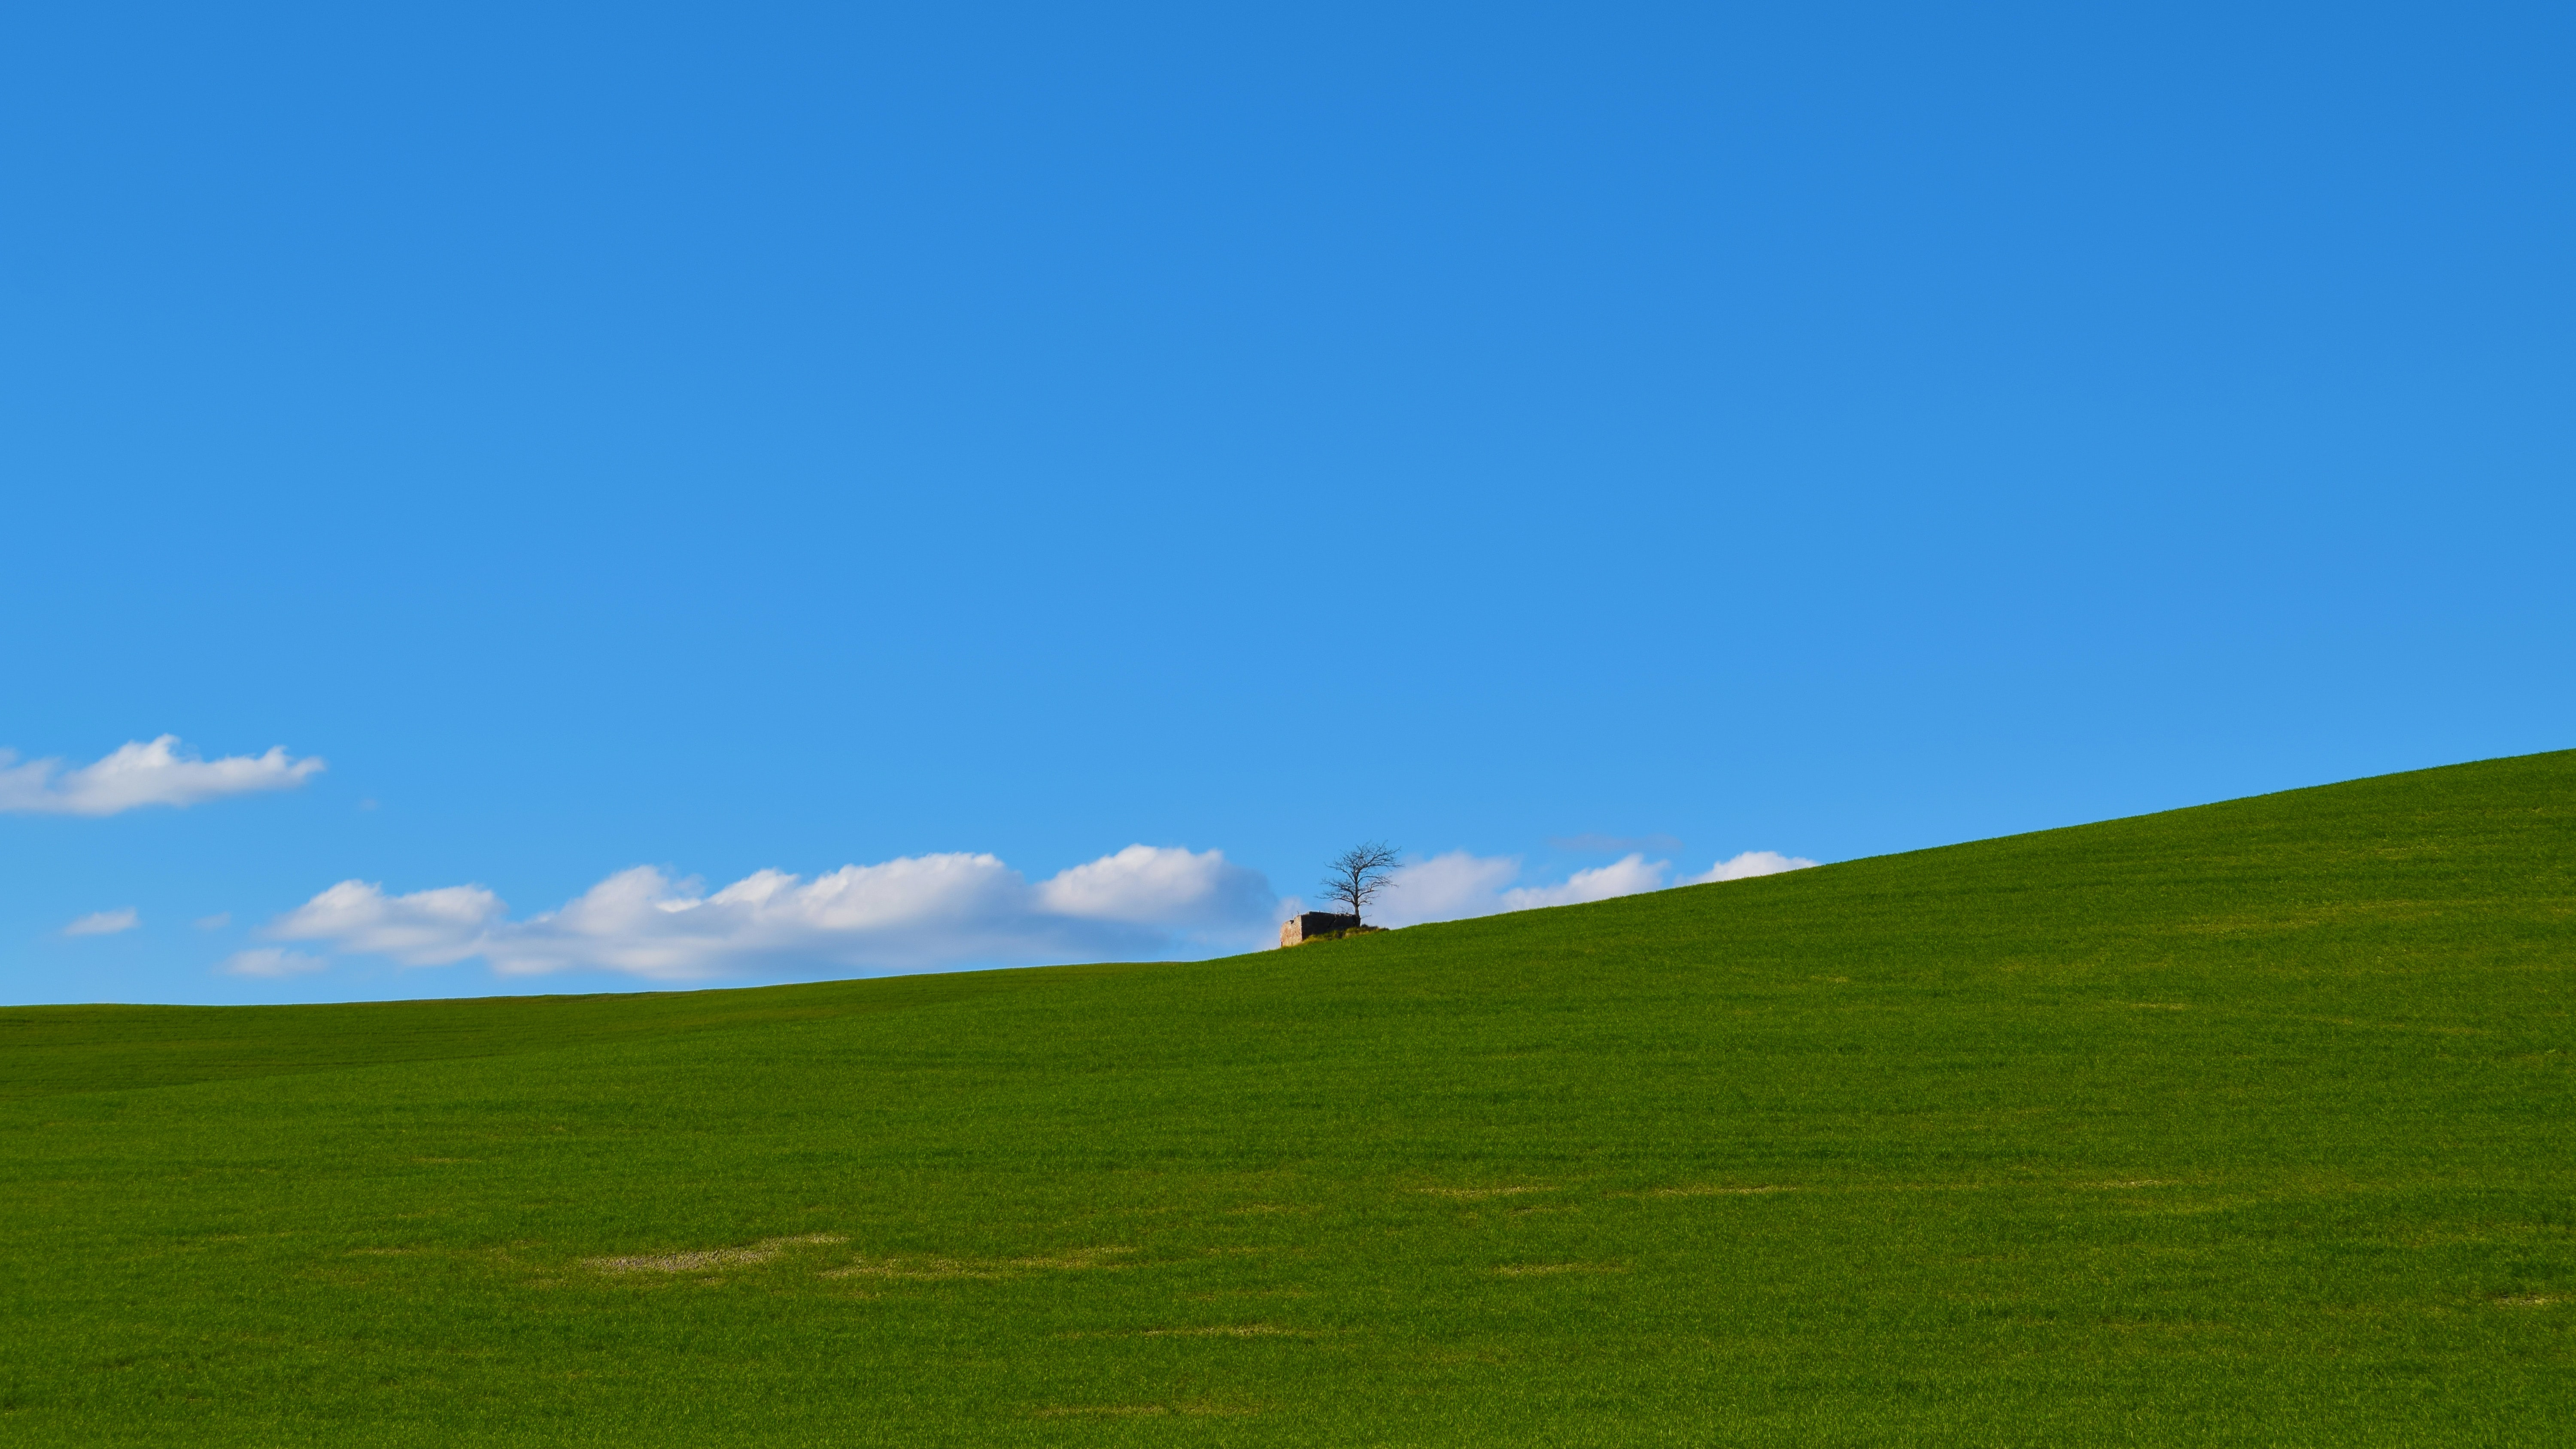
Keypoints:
pixel 965 443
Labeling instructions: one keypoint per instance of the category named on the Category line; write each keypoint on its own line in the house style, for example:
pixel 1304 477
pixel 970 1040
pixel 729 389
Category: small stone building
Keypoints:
pixel 1313 924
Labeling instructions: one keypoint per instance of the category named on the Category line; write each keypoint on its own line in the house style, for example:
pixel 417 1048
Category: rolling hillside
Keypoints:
pixel 2251 1123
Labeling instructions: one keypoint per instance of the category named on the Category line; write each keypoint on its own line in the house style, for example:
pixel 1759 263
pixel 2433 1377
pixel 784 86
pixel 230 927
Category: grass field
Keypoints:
pixel 2245 1124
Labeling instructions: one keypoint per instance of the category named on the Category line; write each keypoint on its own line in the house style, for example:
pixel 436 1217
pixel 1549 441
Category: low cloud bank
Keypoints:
pixel 1458 885
pixel 138 774
pixel 915 913
pixel 910 914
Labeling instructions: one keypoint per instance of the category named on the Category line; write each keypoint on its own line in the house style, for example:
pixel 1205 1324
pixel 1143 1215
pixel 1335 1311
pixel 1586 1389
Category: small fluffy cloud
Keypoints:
pixel 914 913
pixel 1751 863
pixel 1166 887
pixel 1458 885
pixel 425 928
pixel 137 775
pixel 104 923
pixel 1447 888
pixel 1626 877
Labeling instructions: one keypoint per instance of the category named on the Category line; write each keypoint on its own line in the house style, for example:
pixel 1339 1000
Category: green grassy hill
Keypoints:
pixel 2242 1124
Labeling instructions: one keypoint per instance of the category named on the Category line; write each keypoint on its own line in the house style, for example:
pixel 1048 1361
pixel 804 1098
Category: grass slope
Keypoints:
pixel 2247 1123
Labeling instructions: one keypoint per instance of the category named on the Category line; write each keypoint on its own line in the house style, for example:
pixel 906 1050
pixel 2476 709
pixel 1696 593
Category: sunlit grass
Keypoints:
pixel 2244 1124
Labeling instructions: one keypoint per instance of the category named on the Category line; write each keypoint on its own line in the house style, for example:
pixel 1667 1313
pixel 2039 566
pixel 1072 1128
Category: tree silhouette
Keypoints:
pixel 1358 874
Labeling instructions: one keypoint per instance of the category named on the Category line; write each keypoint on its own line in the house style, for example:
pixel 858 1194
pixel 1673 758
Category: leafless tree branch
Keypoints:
pixel 1358 874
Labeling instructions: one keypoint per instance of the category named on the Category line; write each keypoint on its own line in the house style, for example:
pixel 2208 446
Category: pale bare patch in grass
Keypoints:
pixel 1271 1207
pixel 2528 1300
pixel 2136 1182
pixel 383 1252
pixel 760 1252
pixel 915 1268
pixel 1478 1194
pixel 1712 1190
pixel 1078 1258
pixel 934 1268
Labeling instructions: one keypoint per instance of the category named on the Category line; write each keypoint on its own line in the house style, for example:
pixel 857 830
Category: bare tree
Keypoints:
pixel 1358 874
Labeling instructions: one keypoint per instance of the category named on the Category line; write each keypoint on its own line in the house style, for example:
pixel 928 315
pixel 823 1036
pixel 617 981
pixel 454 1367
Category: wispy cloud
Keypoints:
pixel 913 913
pixel 1458 885
pixel 136 775
pixel 105 923
pixel 271 961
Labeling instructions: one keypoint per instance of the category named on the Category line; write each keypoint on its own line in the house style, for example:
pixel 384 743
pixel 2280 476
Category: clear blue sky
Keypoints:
pixel 734 438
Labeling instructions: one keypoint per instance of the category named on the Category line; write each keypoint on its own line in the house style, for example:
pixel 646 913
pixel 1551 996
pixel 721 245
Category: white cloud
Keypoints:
pixel 1167 887
pixel 1446 888
pixel 425 928
pixel 1751 863
pixel 1458 885
pixel 913 913
pixel 270 961
pixel 139 774
pixel 104 923
pixel 1626 877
